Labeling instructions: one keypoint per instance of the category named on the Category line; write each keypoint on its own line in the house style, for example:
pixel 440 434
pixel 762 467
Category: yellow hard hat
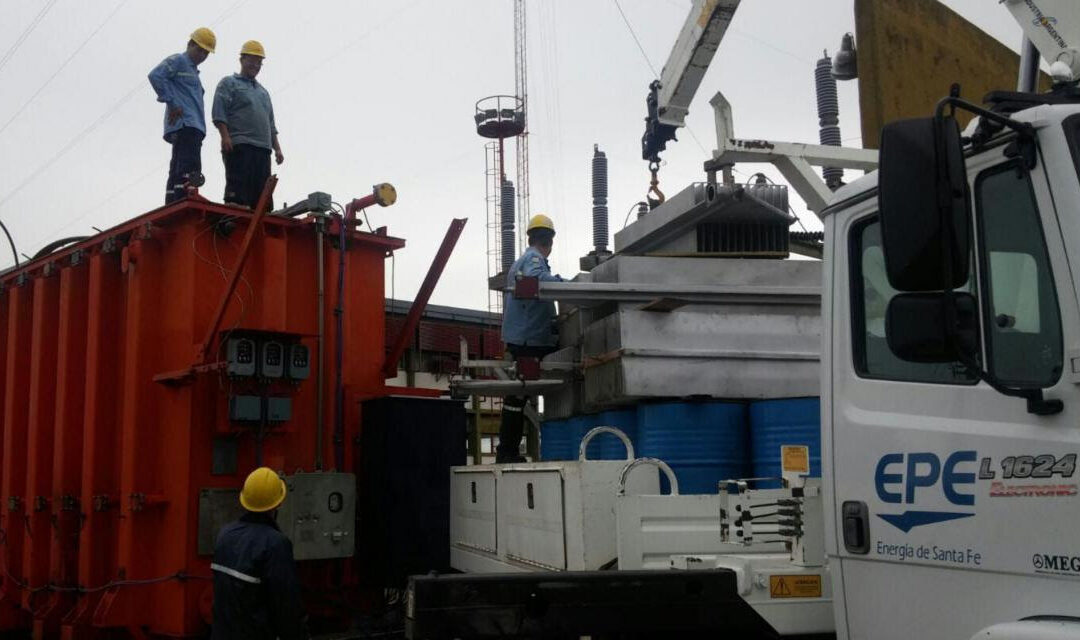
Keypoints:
pixel 205 38
pixel 540 221
pixel 264 490
pixel 253 48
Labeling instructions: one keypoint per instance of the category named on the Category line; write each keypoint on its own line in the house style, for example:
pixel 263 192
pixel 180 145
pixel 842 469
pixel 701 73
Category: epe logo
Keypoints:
pixel 901 478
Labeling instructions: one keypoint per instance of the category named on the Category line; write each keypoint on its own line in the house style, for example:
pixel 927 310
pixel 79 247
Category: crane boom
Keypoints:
pixel 670 96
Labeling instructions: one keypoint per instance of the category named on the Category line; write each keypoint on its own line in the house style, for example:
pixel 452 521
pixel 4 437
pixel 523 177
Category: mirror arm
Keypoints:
pixel 1023 128
pixel 1037 403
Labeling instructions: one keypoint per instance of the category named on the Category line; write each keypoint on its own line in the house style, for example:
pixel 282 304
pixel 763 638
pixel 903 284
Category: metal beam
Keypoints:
pixel 422 296
pixel 500 388
pixel 594 293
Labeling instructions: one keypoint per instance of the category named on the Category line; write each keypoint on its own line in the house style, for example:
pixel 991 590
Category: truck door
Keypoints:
pixel 953 507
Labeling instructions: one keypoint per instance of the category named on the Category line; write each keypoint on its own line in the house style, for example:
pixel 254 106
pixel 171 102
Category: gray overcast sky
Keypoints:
pixel 372 91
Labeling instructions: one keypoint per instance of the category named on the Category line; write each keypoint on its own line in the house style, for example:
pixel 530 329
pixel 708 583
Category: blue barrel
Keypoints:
pixel 703 442
pixel 773 423
pixel 559 439
pixel 596 446
pixel 611 447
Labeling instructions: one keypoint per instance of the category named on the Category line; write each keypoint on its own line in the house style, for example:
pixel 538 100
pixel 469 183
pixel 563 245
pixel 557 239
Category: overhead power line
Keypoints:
pixel 634 36
pixel 63 66
pixel 26 33
pixel 71 144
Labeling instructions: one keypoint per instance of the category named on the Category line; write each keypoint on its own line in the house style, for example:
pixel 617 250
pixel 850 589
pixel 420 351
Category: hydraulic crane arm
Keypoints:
pixel 670 96
pixel 1053 26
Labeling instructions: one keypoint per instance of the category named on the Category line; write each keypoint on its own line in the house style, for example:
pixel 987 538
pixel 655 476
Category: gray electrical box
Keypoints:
pixel 272 359
pixel 299 361
pixel 319 515
pixel 240 354
pixel 245 408
pixel 217 508
pixel 278 409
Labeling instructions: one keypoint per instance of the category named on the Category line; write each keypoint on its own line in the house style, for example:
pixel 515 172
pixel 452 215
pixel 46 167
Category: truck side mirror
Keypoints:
pixel 923 202
pixel 916 327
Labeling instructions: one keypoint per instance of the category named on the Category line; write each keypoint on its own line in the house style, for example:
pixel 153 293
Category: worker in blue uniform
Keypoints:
pixel 176 82
pixel 528 328
pixel 244 116
pixel 256 590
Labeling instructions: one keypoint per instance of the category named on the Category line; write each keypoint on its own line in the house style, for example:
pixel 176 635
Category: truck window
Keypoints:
pixel 870 296
pixel 1023 324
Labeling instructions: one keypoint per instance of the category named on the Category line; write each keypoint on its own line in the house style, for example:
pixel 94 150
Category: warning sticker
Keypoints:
pixel 808 586
pixel 795 459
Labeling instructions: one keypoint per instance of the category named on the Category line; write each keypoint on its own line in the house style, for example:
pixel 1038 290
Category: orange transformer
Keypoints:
pixel 116 418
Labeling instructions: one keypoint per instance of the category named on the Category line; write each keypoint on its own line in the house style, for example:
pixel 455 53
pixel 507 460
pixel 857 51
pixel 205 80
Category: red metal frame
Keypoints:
pixel 238 269
pixel 422 296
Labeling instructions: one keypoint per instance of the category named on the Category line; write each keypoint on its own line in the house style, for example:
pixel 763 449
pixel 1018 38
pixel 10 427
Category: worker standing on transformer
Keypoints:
pixel 528 328
pixel 244 116
pixel 256 590
pixel 176 82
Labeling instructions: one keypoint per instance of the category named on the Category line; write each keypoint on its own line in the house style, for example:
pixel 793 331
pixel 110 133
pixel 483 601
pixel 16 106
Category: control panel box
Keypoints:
pixel 319 515
pixel 240 354
pixel 299 361
pixel 272 359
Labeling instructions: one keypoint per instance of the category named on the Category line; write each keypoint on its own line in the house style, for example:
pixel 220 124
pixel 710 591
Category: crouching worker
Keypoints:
pixel 527 328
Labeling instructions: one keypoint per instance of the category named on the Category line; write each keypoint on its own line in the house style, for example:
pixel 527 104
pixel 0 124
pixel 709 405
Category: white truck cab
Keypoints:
pixel 952 507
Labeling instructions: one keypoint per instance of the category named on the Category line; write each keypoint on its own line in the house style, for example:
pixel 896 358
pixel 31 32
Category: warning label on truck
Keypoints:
pixel 795 586
pixel 795 459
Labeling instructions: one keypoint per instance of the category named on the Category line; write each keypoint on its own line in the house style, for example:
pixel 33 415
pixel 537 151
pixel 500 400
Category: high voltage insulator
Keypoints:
pixel 828 106
pixel 599 200
pixel 506 224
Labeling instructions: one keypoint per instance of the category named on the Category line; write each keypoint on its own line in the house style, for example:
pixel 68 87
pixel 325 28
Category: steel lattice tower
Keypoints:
pixel 521 84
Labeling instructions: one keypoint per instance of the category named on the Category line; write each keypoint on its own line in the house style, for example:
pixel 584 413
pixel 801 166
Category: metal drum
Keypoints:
pixel 773 423
pixel 611 448
pixel 559 439
pixel 703 442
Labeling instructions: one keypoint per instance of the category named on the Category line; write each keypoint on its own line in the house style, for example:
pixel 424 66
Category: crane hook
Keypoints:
pixel 654 187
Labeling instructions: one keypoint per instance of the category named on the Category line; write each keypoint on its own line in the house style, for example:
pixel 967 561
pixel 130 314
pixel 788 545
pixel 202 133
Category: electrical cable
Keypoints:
pixel 71 144
pixel 49 586
pixel 101 203
pixel 63 65
pixel 634 36
pixel 14 253
pixel 228 12
pixel 790 209
pixel 626 220
pixel 57 244
pixel 378 25
pixel 26 33
pixel 97 123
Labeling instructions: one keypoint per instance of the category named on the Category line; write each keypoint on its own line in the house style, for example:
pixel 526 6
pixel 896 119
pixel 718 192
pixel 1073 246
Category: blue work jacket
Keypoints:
pixel 256 589
pixel 243 106
pixel 176 82
pixel 527 323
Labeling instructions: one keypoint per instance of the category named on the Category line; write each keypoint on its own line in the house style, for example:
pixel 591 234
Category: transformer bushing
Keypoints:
pixel 599 200
pixel 506 224
pixel 828 107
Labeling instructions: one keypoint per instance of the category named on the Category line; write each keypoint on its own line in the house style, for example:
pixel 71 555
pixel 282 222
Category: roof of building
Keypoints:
pixel 439 312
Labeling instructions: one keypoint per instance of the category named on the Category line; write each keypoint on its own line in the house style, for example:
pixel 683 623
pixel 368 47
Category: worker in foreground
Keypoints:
pixel 528 328
pixel 176 82
pixel 244 116
pixel 256 590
